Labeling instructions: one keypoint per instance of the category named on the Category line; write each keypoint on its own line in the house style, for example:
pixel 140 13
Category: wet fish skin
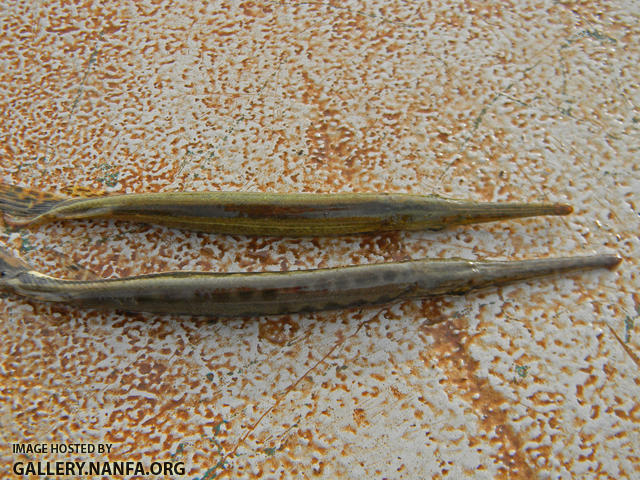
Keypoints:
pixel 282 214
pixel 273 293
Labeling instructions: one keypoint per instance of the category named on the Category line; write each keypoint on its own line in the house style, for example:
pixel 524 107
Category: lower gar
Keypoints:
pixel 290 214
pixel 272 293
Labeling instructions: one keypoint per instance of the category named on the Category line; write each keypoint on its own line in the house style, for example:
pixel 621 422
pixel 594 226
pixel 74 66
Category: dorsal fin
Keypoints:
pixel 80 191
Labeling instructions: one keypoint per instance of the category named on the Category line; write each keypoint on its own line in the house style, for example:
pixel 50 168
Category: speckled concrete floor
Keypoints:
pixel 534 100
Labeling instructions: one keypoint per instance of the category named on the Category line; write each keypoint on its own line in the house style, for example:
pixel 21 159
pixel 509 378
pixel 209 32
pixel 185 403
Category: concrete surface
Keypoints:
pixel 531 100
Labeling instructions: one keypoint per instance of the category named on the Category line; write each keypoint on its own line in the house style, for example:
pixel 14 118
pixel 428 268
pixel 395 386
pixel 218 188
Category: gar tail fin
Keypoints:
pixel 20 205
pixel 11 265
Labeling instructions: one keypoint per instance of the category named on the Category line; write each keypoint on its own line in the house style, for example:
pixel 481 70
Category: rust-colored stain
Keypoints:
pixel 360 417
pixel 463 99
pixel 449 352
pixel 278 331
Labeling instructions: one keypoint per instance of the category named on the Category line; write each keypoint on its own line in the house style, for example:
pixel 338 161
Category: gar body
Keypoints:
pixel 288 214
pixel 270 293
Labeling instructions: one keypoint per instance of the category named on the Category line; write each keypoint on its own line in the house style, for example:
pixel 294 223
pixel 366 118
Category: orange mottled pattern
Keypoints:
pixel 531 100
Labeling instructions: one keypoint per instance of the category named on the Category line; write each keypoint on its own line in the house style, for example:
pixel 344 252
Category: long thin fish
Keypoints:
pixel 291 214
pixel 272 293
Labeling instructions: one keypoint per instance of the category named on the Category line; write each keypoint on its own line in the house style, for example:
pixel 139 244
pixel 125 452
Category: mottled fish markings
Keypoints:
pixel 272 293
pixel 292 214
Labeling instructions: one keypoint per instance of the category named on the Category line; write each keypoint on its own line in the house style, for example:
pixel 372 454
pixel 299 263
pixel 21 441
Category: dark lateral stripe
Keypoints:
pixel 295 214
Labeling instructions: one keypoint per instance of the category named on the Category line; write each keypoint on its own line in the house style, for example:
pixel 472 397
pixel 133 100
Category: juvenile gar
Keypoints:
pixel 272 293
pixel 290 214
